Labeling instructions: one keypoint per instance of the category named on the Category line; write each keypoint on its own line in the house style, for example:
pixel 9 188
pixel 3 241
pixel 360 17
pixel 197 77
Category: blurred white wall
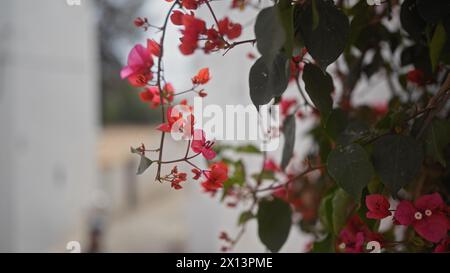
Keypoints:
pixel 48 119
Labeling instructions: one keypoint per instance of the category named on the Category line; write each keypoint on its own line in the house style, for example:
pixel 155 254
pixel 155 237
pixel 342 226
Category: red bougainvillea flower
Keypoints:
pixel 197 174
pixel 151 95
pixel 216 176
pixel 175 178
pixel 202 77
pixel 191 4
pixel 172 117
pixel 417 77
pixel 140 61
pixel 443 247
pixel 177 17
pixel 427 215
pixel 200 145
pixel 193 27
pixel 154 47
pixel 286 105
pixel 378 206
pixel 229 29
pixel 355 234
pixel 270 165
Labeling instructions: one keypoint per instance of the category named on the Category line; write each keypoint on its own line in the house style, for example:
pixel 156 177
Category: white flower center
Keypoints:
pixel 418 215
pixel 342 246
pixel 428 212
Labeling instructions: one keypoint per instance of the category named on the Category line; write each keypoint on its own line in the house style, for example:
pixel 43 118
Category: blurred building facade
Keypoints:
pixel 49 122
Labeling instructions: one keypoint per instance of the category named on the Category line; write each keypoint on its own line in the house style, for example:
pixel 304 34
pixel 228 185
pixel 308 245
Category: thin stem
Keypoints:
pixel 159 84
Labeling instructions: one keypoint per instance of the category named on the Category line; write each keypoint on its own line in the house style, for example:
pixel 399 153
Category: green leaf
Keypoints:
pixel 289 140
pixel 269 32
pixel 436 139
pixel 328 39
pixel 326 212
pixel 268 81
pixel 245 217
pixel 350 167
pixel 274 223
pixel 315 15
pixel 336 123
pixel 437 44
pixel 341 204
pixel 397 160
pixel 145 162
pixel 319 86
pixel 327 245
pixel 286 16
pixel 237 179
pixel 264 175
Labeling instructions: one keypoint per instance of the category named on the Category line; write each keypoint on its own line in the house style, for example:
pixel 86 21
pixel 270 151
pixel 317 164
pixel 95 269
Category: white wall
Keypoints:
pixel 48 119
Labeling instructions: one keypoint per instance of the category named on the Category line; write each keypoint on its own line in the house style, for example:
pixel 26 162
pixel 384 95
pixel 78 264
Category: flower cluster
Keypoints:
pixel 428 215
pixel 195 30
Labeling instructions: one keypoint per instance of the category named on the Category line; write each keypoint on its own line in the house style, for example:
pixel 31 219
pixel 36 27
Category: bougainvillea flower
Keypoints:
pixel 286 105
pixel 270 165
pixel 197 174
pixel 138 72
pixel 216 176
pixel 199 145
pixel 172 118
pixel 191 4
pixel 378 206
pixel 427 215
pixel 443 247
pixel 151 95
pixel 193 27
pixel 177 17
pixel 229 29
pixel 202 77
pixel 417 77
pixel 154 47
pixel 355 234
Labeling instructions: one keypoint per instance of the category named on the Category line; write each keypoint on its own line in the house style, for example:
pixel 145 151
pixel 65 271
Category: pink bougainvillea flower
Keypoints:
pixel 138 72
pixel 355 234
pixel 427 215
pixel 200 145
pixel 202 77
pixel 378 206
pixel 216 176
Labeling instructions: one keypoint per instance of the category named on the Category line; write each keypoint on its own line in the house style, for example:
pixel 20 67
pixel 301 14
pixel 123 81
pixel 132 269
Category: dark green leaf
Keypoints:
pixel 268 82
pixel 336 123
pixel 437 138
pixel 286 16
pixel 411 20
pixel 328 39
pixel 397 160
pixel 274 223
pixel 319 86
pixel 269 32
pixel 350 167
pixel 327 245
pixel 289 140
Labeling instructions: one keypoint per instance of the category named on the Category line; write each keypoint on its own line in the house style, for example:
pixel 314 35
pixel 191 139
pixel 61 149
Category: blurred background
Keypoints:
pixel 68 121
